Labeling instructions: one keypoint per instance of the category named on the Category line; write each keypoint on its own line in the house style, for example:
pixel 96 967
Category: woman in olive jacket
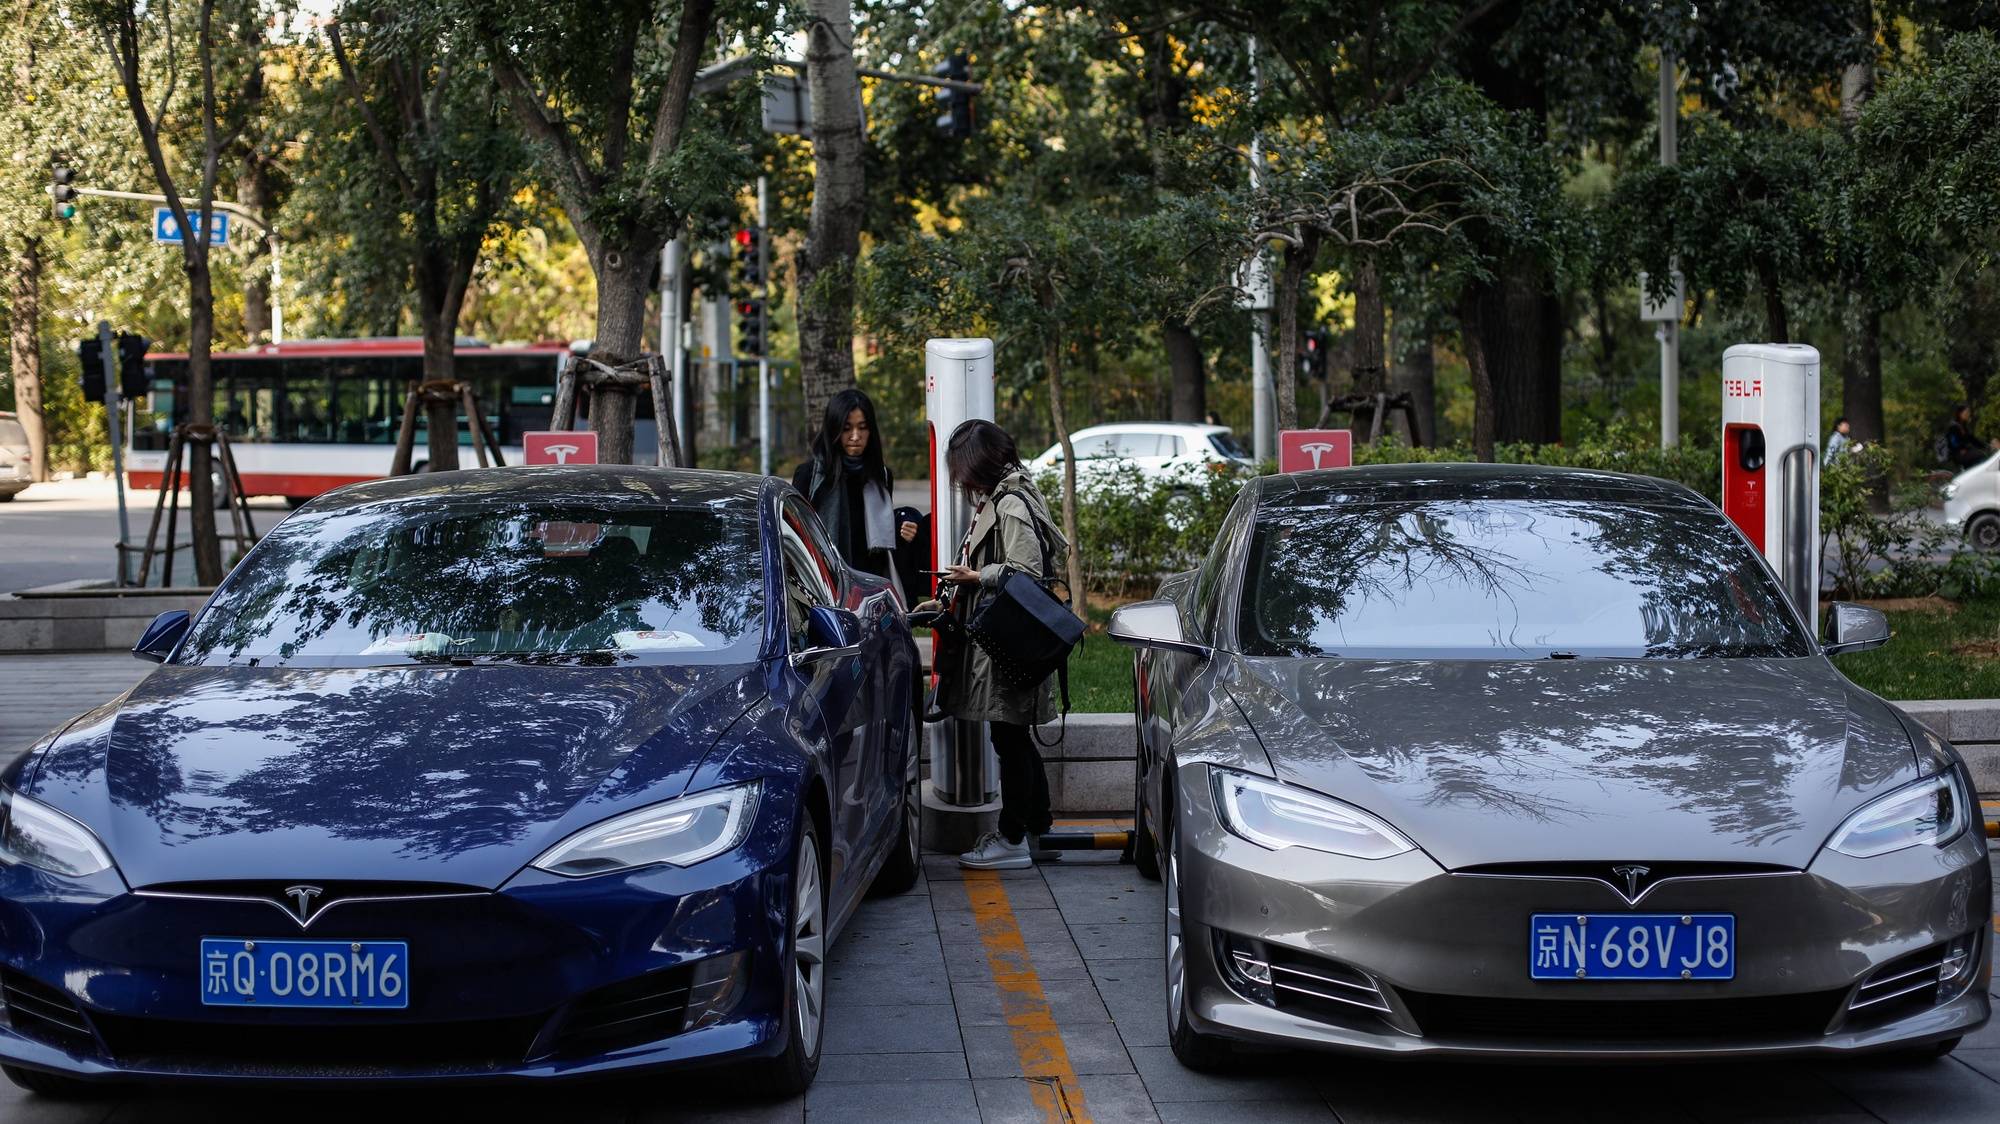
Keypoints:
pixel 983 461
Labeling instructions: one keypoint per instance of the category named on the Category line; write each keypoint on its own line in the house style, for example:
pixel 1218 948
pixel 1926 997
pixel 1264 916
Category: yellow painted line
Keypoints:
pixel 1037 1040
pixel 1061 824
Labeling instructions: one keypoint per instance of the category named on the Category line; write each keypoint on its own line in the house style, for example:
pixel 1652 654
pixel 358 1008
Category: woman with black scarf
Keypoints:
pixel 849 486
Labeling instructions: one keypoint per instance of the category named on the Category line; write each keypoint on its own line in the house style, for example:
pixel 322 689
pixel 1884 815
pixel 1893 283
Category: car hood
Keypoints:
pixel 449 775
pixel 1506 761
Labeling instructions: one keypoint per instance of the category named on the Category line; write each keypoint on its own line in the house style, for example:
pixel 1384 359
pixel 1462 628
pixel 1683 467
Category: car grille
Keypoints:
pixel 364 1043
pixel 1458 1016
pixel 645 1009
pixel 45 1013
pixel 1907 984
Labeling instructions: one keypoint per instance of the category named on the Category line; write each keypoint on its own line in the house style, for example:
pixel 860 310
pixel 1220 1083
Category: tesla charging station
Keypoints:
pixel 1770 460
pixel 958 386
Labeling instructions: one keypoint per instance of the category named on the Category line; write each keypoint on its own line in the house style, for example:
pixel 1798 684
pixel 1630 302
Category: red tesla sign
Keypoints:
pixel 1302 450
pixel 559 447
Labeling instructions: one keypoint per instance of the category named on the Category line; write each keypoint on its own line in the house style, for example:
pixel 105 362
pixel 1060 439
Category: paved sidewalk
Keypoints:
pixel 41 691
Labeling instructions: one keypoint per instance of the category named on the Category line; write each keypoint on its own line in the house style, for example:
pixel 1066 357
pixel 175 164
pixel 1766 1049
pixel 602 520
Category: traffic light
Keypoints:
pixel 956 119
pixel 132 380
pixel 750 247
pixel 750 328
pixel 90 353
pixel 62 194
pixel 1313 351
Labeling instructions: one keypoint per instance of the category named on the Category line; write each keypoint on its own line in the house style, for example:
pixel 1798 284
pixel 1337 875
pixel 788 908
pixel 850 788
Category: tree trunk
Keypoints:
pixel 1369 372
pixel 825 264
pixel 1052 358
pixel 1413 371
pixel 1188 373
pixel 1519 331
pixel 1285 370
pixel 24 323
pixel 622 277
pixel 1472 331
pixel 208 567
pixel 1861 363
pixel 440 365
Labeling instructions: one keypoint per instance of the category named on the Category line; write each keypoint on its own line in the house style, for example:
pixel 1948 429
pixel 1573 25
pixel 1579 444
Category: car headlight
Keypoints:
pixel 680 832
pixel 1278 816
pixel 34 833
pixel 1950 490
pixel 1933 810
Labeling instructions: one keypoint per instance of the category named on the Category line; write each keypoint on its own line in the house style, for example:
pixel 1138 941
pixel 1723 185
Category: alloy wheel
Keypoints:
pixel 809 948
pixel 1170 885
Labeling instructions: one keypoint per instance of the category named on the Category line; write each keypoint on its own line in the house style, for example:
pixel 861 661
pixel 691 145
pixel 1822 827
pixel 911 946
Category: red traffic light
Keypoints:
pixel 743 237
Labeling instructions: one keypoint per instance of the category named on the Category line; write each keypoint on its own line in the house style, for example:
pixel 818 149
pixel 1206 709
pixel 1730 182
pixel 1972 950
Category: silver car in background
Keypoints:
pixel 1507 762
pixel 16 459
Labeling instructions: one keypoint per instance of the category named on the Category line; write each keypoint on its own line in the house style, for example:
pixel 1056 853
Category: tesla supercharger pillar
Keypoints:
pixel 958 386
pixel 1770 460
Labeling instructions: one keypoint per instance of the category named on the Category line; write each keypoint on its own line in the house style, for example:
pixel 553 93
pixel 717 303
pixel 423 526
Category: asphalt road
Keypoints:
pixel 1037 996
pixel 67 530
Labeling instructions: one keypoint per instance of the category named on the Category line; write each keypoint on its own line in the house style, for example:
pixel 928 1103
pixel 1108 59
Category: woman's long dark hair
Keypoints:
pixel 980 455
pixel 826 443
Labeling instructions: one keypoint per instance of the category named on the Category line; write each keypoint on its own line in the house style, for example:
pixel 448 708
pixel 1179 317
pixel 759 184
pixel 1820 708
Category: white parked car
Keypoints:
pixel 1972 504
pixel 1161 451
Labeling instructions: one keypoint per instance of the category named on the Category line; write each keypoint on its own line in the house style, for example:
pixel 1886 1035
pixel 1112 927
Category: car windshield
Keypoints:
pixel 1508 579
pixel 1226 445
pixel 429 582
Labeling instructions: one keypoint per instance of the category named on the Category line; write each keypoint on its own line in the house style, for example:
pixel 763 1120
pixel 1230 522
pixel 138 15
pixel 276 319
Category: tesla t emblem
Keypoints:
pixel 562 453
pixel 1632 876
pixel 303 895
pixel 1316 450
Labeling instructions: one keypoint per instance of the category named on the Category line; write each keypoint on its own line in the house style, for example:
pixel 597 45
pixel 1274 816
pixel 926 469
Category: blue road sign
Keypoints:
pixel 165 229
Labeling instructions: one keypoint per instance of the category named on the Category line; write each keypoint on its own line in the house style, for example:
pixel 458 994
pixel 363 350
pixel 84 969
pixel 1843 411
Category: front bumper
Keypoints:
pixel 1446 956
pixel 545 978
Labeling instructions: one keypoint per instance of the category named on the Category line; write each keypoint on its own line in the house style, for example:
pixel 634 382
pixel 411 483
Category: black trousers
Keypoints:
pixel 1024 783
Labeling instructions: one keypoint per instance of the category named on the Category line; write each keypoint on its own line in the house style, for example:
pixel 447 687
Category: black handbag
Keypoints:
pixel 1024 628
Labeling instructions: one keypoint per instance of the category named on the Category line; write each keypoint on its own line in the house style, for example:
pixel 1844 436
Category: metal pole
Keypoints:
pixel 277 285
pixel 1670 330
pixel 764 329
pixel 1263 422
pixel 670 338
pixel 112 418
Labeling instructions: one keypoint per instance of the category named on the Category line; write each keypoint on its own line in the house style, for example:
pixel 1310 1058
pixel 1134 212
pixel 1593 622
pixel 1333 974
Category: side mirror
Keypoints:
pixel 830 632
pixel 1854 628
pixel 162 636
pixel 1153 624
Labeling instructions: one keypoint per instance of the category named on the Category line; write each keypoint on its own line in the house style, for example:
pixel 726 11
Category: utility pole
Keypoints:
pixel 763 327
pixel 1669 331
pixel 1263 432
pixel 671 280
pixel 113 414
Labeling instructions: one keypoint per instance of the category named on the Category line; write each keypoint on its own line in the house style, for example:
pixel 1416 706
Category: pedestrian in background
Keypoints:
pixel 848 484
pixel 1839 441
pixel 1962 447
pixel 1011 530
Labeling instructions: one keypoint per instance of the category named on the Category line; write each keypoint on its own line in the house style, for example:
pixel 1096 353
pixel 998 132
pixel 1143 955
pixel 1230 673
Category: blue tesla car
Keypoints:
pixel 510 773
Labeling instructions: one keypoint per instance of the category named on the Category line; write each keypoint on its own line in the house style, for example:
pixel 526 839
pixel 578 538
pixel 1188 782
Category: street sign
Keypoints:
pixel 166 230
pixel 559 447
pixel 1303 450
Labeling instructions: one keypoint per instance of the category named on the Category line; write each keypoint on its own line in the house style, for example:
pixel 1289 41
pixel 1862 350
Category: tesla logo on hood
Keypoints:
pixel 1633 875
pixel 302 899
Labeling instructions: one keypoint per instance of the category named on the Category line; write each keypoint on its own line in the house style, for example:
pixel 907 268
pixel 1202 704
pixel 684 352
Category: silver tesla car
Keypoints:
pixel 1503 761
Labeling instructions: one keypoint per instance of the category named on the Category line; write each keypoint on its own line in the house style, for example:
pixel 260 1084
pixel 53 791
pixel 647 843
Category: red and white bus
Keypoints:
pixel 309 416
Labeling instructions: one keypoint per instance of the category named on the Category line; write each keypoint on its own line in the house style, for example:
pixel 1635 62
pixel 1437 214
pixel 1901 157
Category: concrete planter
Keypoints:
pixel 85 616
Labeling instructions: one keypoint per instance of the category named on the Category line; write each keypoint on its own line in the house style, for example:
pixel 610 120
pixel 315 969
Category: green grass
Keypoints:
pixel 1926 659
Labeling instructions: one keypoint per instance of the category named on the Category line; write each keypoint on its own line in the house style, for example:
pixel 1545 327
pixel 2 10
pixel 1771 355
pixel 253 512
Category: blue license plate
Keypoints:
pixel 1632 946
pixel 260 973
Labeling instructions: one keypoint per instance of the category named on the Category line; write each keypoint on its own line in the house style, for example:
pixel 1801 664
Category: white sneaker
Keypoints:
pixel 993 852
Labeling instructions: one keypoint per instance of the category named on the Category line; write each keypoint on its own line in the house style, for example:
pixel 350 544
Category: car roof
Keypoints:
pixel 610 485
pixel 1468 481
pixel 1150 427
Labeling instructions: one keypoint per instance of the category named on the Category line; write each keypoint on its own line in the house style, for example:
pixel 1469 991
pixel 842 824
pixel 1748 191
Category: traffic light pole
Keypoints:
pixel 241 212
pixel 763 328
pixel 114 413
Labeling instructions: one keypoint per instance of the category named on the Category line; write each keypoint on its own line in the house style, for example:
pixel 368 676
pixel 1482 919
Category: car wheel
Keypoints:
pixel 8 497
pixel 906 860
pixel 790 1073
pixel 54 1086
pixel 1179 512
pixel 1195 1050
pixel 1983 532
